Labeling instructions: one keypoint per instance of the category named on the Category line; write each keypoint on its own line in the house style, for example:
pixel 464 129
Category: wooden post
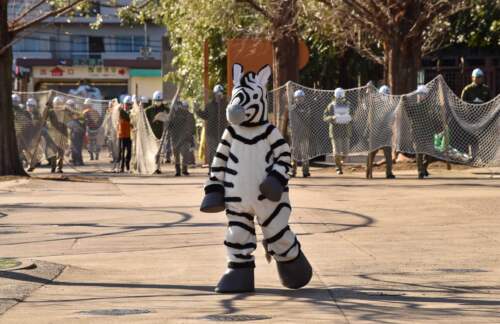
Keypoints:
pixel 206 83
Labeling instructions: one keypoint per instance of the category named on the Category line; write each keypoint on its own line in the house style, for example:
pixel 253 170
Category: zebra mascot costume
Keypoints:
pixel 249 178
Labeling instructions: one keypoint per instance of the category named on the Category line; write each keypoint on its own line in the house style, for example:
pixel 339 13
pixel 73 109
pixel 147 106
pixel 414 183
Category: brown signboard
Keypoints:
pixel 253 53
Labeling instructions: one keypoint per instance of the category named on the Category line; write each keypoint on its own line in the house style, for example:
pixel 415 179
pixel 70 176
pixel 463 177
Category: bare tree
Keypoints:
pixel 393 33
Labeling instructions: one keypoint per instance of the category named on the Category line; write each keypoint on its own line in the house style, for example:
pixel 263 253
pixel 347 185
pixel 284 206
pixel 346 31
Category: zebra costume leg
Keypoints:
pixel 279 240
pixel 240 240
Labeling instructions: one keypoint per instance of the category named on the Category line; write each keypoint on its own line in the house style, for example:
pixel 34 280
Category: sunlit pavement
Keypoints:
pixel 136 249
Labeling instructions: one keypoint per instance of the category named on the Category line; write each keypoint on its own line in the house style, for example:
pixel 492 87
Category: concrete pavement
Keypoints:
pixel 137 249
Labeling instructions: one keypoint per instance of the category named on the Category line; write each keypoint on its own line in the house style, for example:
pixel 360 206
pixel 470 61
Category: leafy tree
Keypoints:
pixel 393 33
pixel 479 27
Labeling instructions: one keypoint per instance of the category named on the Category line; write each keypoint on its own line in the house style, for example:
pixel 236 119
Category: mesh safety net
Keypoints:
pixel 432 121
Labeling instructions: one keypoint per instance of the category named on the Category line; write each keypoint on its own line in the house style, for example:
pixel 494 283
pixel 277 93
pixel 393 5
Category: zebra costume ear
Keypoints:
pixel 237 74
pixel 263 75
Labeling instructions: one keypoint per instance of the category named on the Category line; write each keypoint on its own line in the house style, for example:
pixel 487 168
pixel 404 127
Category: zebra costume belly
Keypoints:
pixel 250 166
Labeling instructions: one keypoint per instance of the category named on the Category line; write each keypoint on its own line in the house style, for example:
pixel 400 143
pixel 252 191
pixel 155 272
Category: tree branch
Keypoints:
pixel 258 8
pixel 26 12
pixel 52 13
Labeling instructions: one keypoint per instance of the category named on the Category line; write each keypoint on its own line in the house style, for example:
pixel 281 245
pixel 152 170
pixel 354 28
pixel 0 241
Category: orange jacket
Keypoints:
pixel 124 125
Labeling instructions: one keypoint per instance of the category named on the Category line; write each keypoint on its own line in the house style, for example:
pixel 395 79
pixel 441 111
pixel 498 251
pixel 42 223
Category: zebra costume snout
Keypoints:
pixel 236 114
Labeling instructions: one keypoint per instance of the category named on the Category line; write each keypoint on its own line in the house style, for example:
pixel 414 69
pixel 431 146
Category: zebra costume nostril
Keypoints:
pixel 248 178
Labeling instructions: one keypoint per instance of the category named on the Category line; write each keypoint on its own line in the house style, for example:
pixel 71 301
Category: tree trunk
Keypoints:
pixel 285 68
pixel 285 52
pixel 10 164
pixel 401 64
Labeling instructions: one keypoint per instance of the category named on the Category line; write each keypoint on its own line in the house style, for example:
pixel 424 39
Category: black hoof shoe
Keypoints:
pixel 213 202
pixel 236 281
pixel 295 274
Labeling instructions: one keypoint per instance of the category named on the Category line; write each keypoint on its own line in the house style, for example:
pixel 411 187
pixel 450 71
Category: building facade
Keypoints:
pixel 63 52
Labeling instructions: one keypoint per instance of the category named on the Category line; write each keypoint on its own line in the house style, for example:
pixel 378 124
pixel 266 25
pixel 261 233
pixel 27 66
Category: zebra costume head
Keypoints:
pixel 248 104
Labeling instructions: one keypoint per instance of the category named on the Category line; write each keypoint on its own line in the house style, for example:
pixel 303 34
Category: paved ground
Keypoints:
pixel 136 249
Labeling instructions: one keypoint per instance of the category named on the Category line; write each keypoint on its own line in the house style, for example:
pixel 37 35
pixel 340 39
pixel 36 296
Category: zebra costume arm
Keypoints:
pixel 280 152
pixel 274 185
pixel 214 187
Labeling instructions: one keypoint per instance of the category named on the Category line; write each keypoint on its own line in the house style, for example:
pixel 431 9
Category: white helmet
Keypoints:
pixel 134 98
pixel 144 99
pixel 384 90
pixel 218 88
pixel 70 103
pixel 298 93
pixel 477 73
pixel 31 103
pixel 16 100
pixel 157 96
pixel 127 100
pixel 339 93
pixel 57 101
pixel 422 89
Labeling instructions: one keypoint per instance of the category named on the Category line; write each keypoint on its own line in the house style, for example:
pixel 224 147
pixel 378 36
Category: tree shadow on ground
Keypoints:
pixel 408 301
pixel 183 222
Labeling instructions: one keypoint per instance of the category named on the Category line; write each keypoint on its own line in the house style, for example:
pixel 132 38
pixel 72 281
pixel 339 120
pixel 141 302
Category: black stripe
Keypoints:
pixel 261 197
pixel 224 169
pixel 278 143
pixel 283 154
pixel 268 156
pixel 290 248
pixel 263 101
pixel 214 179
pixel 249 124
pixel 232 199
pixel 243 256
pixel 244 226
pixel 228 184
pixel 276 212
pixel 214 188
pixel 224 142
pixel 288 166
pixel 221 156
pixel 270 153
pixel 238 265
pixel 239 246
pixel 277 236
pixel 234 213
pixel 254 140
pixel 233 157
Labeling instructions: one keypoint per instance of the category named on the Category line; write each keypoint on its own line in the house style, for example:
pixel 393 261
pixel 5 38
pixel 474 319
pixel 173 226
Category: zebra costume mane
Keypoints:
pixel 250 92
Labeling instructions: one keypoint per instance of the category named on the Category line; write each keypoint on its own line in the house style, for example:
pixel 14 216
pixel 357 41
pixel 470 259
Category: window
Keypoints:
pixel 29 44
pixel 123 44
pixel 79 43
pixel 96 44
pixel 138 43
